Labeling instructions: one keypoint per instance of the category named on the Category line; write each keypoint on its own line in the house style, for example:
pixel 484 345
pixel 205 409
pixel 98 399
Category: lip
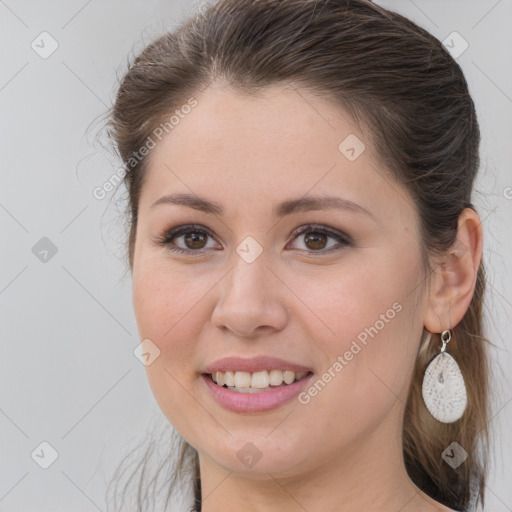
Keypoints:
pixel 255 402
pixel 253 364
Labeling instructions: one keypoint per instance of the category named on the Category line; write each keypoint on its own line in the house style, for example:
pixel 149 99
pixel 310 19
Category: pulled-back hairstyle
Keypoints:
pixel 398 82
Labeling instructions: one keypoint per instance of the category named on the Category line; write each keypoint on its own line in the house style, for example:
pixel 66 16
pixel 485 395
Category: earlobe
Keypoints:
pixel 453 283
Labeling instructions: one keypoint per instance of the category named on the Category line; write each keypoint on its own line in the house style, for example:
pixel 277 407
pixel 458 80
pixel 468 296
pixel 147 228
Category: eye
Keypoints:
pixel 315 238
pixel 194 239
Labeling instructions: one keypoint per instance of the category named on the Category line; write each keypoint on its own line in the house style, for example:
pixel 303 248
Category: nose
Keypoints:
pixel 251 300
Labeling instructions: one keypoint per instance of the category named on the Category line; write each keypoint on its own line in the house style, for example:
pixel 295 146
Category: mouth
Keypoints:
pixel 255 392
pixel 256 382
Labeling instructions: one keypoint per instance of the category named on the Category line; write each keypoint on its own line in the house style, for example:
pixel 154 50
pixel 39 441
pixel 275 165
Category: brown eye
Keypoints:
pixel 195 239
pixel 315 239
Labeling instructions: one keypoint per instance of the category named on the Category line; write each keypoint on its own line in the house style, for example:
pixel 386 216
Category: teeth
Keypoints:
pixel 260 380
pixel 229 378
pixel 276 377
pixel 245 381
pixel 220 378
pixel 288 377
pixel 242 379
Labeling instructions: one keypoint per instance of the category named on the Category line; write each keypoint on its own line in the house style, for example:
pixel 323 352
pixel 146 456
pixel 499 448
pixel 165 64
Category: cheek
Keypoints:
pixel 167 302
pixel 163 302
pixel 168 310
pixel 363 301
pixel 172 304
pixel 370 348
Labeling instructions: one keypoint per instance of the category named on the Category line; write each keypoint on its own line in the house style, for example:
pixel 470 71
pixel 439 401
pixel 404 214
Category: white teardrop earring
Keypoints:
pixel 443 390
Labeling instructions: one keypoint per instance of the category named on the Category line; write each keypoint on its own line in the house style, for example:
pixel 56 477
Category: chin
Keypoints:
pixel 257 458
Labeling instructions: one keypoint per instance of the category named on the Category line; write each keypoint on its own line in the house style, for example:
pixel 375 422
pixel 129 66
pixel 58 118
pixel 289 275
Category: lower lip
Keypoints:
pixel 255 402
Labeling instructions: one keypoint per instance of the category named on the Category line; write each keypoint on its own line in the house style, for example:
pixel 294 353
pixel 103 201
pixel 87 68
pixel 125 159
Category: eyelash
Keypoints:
pixel 165 240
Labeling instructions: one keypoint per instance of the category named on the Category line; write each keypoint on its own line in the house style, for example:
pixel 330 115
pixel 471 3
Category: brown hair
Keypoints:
pixel 396 80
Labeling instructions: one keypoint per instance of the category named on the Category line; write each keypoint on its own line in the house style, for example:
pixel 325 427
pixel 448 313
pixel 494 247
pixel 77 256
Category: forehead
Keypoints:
pixel 277 124
pixel 282 142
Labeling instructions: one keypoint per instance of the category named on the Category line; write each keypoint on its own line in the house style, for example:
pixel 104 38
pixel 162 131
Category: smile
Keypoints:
pixel 271 389
pixel 247 382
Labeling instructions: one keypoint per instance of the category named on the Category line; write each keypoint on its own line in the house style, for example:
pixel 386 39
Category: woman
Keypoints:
pixel 307 263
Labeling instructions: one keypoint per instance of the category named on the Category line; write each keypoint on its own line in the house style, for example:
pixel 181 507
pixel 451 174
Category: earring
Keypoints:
pixel 443 389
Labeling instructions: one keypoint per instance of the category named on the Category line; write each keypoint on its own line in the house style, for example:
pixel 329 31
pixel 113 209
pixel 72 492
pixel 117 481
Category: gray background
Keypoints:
pixel 68 373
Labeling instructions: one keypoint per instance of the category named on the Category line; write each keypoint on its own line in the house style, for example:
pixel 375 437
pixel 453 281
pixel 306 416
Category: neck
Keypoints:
pixel 369 475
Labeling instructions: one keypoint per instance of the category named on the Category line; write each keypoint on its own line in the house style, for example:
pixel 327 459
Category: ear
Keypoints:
pixel 455 272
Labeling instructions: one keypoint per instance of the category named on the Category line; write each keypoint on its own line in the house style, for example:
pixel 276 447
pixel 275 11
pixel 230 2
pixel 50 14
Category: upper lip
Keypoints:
pixel 253 364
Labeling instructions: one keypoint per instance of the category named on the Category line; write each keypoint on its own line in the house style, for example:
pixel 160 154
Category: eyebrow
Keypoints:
pixel 288 207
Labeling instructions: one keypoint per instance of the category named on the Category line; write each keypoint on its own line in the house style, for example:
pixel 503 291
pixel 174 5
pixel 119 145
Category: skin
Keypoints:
pixel 341 451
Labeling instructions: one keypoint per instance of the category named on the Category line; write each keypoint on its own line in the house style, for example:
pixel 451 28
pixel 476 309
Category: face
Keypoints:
pixel 334 292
